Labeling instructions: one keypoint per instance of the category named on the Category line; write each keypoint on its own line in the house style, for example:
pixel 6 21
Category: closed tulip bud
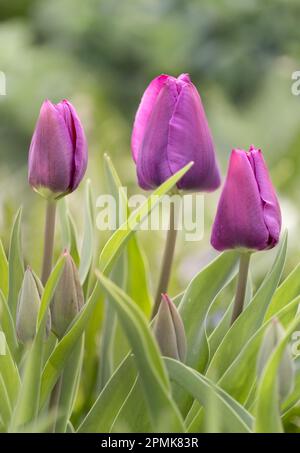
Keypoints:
pixel 286 371
pixel 28 307
pixel 248 214
pixel 169 330
pixel 58 151
pixel 68 298
pixel 170 130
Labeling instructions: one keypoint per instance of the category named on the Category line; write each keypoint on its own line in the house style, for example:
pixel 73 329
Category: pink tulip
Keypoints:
pixel 170 130
pixel 248 214
pixel 58 151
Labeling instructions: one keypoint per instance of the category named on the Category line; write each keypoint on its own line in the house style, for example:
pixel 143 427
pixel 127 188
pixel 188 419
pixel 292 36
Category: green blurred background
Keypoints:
pixel 101 54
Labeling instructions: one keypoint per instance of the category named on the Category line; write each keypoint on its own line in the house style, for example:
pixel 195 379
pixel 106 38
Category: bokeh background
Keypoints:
pixel 101 54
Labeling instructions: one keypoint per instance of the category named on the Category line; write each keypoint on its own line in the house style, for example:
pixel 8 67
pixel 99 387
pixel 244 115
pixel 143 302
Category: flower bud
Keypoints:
pixel 67 299
pixel 248 214
pixel 58 150
pixel 286 372
pixel 170 130
pixel 169 330
pixel 28 307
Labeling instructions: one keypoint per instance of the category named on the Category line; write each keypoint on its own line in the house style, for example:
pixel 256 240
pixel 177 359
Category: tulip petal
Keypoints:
pixel 190 140
pixel 153 166
pixel 79 144
pixel 50 154
pixel 240 219
pixel 271 209
pixel 144 112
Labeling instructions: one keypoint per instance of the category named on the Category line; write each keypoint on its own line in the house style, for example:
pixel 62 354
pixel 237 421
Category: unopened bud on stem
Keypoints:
pixel 169 330
pixel 67 299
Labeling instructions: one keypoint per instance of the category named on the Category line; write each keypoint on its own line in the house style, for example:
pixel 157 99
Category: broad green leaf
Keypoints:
pixel 133 416
pixel 27 405
pixel 267 412
pixel 9 373
pixel 7 324
pixel 196 301
pixel 250 320
pixel 108 404
pixel 5 406
pixel 68 231
pixel 3 271
pixel 240 377
pixel 15 265
pixel 137 281
pixel 164 414
pixel 287 291
pixel 223 326
pixel 232 417
pixel 55 364
pixel 116 242
pixel 108 334
pixel 69 386
pixel 87 249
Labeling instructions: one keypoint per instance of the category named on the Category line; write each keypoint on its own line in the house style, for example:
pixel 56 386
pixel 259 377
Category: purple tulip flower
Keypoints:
pixel 248 214
pixel 58 151
pixel 170 130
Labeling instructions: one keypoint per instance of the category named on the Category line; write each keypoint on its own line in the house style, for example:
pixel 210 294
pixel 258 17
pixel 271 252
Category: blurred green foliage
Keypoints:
pixel 102 54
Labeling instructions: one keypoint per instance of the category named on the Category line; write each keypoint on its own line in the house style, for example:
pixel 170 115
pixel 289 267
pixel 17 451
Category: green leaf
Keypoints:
pixel 196 301
pixel 7 324
pixel 87 249
pixel 15 265
pixel 68 231
pixel 9 374
pixel 137 281
pixel 250 320
pixel 55 364
pixel 117 241
pixel 108 404
pixel 3 271
pixel 69 386
pixel 267 410
pixel 163 412
pixel 5 406
pixel 27 406
pixel 287 291
pixel 232 417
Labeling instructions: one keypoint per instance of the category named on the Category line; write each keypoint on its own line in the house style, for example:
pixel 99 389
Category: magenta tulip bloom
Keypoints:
pixel 170 130
pixel 58 151
pixel 248 214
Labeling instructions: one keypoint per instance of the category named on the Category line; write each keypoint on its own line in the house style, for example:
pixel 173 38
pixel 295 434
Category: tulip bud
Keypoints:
pixel 58 150
pixel 248 214
pixel 286 372
pixel 67 299
pixel 169 330
pixel 28 307
pixel 170 130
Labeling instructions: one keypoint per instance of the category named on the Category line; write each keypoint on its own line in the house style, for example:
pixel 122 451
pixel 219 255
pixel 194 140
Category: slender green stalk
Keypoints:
pixel 48 240
pixel 46 271
pixel 241 286
pixel 167 260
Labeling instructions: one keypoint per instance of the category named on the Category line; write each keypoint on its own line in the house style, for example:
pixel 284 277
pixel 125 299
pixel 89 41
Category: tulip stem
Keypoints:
pixel 167 260
pixel 241 286
pixel 48 240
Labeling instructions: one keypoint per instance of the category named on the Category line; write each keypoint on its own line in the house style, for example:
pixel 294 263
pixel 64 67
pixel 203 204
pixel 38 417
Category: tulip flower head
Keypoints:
pixel 58 151
pixel 170 130
pixel 248 214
